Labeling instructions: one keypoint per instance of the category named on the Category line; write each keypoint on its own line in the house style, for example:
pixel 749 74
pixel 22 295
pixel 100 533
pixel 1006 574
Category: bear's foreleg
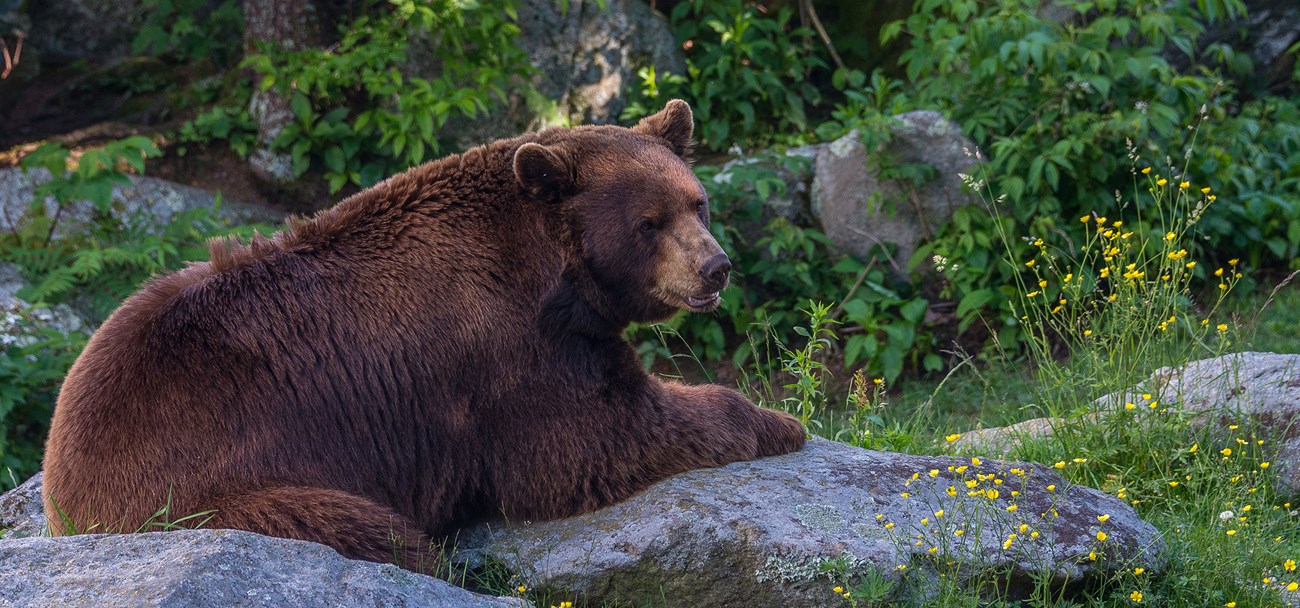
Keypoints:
pixel 711 425
pixel 620 452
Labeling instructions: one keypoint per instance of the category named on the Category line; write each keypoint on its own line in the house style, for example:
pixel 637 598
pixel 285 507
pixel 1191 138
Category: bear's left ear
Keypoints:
pixel 542 171
pixel 674 124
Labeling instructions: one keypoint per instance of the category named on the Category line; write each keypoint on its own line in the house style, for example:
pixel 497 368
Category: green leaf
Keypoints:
pixel 301 107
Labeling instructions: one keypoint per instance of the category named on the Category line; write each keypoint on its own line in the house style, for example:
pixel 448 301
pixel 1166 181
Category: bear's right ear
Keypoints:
pixel 674 124
pixel 541 171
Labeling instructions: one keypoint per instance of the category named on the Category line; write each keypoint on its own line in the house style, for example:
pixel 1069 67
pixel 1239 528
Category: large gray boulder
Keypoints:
pixel 784 531
pixel 84 29
pixel 861 206
pixel 586 59
pixel 157 198
pixel 589 56
pixel 210 568
pixel 1261 387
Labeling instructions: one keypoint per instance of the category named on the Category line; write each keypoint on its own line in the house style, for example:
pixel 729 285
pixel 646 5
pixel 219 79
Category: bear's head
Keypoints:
pixel 636 216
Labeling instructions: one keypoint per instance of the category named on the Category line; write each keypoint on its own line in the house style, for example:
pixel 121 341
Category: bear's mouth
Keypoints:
pixel 704 303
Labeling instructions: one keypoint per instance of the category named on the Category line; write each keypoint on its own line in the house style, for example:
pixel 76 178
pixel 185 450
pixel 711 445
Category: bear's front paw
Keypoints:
pixel 781 434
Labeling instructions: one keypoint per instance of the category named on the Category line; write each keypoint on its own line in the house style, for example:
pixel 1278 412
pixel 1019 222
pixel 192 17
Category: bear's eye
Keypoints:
pixel 700 205
pixel 647 226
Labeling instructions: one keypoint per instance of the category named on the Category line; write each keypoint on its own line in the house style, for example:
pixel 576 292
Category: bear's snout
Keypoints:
pixel 714 271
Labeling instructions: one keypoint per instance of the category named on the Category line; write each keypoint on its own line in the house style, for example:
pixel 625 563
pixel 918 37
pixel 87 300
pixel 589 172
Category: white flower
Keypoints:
pixel 1226 515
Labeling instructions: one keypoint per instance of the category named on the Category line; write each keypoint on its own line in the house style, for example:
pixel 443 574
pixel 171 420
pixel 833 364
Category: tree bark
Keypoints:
pixel 289 25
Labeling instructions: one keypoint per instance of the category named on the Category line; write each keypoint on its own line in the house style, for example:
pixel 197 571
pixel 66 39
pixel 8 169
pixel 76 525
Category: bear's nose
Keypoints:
pixel 715 269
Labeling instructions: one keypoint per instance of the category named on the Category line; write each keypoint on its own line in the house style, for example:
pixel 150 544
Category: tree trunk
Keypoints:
pixel 289 25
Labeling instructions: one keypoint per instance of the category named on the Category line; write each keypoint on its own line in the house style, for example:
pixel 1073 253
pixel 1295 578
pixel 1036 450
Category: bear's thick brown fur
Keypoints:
pixel 442 347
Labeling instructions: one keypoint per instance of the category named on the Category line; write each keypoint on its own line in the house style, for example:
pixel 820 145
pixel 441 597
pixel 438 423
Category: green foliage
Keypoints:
pixel 34 357
pixel 748 73
pixel 357 116
pixel 1053 105
pixel 191 30
pixel 805 365
pixel 229 124
pixel 91 263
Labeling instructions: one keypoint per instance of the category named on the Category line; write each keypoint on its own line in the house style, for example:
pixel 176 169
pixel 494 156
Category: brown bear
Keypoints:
pixel 442 347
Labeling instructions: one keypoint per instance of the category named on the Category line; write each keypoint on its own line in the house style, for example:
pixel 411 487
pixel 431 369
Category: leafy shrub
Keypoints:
pixel 90 265
pixel 1052 105
pixel 191 30
pixel 748 74
pixel 356 114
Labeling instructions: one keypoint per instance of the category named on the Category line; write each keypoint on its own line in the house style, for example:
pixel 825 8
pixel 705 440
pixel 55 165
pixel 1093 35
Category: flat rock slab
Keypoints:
pixel 210 568
pixel 1261 387
pixel 763 533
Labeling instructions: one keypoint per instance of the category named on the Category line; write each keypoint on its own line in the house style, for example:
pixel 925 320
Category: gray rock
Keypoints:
pixel 763 533
pixel 859 208
pixel 589 55
pixel 586 59
pixel 84 29
pixel 217 568
pixel 1268 30
pixel 1263 387
pixel 155 197
pixel 18 319
pixel 22 513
